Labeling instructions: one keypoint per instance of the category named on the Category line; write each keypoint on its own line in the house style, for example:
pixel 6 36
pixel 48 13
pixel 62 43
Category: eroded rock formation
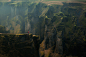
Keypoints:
pixel 19 45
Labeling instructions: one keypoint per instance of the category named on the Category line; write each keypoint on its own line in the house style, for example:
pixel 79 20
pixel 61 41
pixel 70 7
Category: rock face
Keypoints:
pixel 59 47
pixel 19 45
pixel 52 43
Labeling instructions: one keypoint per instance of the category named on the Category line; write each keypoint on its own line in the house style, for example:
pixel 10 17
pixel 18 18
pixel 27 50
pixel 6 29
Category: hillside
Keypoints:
pixel 60 26
pixel 19 45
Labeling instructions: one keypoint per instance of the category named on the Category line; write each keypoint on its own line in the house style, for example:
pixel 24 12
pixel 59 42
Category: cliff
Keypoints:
pixel 19 45
pixel 61 28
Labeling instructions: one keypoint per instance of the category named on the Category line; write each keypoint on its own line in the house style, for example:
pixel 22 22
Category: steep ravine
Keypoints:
pixel 60 34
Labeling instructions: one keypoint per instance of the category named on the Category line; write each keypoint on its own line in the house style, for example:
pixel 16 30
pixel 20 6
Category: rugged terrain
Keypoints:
pixel 19 45
pixel 60 26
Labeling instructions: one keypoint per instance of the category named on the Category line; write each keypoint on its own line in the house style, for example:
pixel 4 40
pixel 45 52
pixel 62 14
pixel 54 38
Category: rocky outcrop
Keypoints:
pixel 52 43
pixel 19 45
